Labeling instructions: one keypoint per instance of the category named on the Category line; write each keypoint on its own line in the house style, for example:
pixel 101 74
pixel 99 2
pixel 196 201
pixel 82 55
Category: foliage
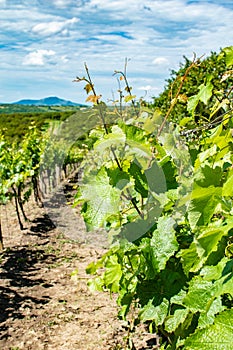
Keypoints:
pixel 20 168
pixel 205 92
pixel 22 163
pixel 167 204
pixel 16 125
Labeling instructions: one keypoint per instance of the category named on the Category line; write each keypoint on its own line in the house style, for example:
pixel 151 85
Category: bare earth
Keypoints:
pixel 43 303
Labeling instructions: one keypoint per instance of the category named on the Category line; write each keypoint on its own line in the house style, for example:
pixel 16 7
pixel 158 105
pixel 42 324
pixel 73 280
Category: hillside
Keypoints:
pixel 16 119
pixel 47 101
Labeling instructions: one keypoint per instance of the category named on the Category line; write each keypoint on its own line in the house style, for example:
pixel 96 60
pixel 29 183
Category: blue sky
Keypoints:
pixel 44 44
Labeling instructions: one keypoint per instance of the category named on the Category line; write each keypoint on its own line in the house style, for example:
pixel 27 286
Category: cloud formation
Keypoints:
pixel 55 27
pixel 38 57
pixel 58 36
pixel 161 61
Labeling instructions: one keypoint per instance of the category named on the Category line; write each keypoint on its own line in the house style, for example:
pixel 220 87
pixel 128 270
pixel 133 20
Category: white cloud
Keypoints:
pixel 147 88
pixel 63 3
pixel 161 61
pixel 64 59
pixel 114 4
pixel 38 57
pixel 54 27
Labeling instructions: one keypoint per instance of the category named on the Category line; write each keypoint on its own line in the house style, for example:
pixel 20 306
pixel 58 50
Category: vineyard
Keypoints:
pixel 158 179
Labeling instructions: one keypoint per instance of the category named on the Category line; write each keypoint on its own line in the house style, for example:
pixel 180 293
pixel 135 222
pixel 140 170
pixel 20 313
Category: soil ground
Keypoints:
pixel 44 305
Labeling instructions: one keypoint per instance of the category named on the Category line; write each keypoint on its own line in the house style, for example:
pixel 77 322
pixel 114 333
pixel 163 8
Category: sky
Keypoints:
pixel 44 44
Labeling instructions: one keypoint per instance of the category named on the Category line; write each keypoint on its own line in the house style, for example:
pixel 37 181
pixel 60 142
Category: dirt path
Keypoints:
pixel 43 304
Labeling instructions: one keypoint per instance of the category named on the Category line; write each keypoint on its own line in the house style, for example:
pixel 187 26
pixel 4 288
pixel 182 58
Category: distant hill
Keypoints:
pixel 47 101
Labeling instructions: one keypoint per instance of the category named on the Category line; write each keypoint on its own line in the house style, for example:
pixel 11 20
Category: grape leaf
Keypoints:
pixel 155 313
pixel 139 178
pixel 113 273
pixel 203 204
pixel 227 189
pixel 217 336
pixel 173 321
pixel 163 242
pixel 228 55
pixel 114 139
pixel 208 317
pixel 205 92
pixel 200 294
pixel 101 199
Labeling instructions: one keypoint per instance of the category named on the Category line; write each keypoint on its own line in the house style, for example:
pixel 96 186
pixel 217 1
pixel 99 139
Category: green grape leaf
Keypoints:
pixel 203 204
pixel 155 313
pixel 118 178
pixel 225 284
pixel 112 273
pixel 191 258
pixel 172 322
pixel 134 230
pixel 95 284
pixel 214 272
pixel 150 124
pixel 155 178
pixel 139 178
pixel 210 238
pixel 116 138
pixel 208 317
pixel 192 103
pixel 208 176
pixel 228 51
pixel 100 199
pixel 211 151
pixel 227 189
pixel 194 257
pixel 200 294
pixel 215 336
pixel 205 92
pixel 163 242
pixel 140 151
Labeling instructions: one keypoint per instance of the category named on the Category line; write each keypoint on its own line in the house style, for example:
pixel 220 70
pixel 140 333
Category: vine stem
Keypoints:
pixel 1 237
pixel 17 208
pixel 89 81
pixel 207 126
pixel 174 101
pixel 128 88
pixel 97 99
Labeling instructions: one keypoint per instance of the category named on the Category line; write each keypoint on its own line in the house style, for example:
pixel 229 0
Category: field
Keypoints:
pixel 131 202
pixel 16 119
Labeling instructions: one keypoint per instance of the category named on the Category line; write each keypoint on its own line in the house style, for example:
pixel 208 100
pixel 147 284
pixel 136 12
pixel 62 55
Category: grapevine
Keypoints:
pixel 171 253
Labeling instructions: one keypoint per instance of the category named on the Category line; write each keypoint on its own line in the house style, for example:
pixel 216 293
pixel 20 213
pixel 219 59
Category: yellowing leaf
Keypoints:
pixel 88 88
pixel 129 98
pixel 128 89
pixel 93 98
pixel 183 98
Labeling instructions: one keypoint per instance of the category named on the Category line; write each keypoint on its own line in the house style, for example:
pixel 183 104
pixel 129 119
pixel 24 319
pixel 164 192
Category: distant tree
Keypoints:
pixel 212 72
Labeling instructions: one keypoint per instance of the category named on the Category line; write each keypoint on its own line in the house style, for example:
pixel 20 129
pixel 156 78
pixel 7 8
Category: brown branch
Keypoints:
pixel 194 63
